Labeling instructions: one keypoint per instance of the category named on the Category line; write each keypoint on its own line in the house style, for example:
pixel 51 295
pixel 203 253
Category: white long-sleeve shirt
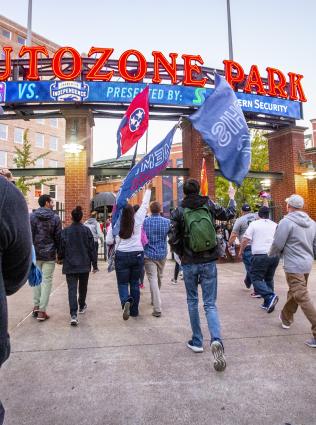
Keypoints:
pixel 134 242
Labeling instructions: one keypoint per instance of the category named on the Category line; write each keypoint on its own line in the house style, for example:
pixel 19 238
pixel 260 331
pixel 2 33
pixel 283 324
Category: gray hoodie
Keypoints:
pixel 95 228
pixel 295 239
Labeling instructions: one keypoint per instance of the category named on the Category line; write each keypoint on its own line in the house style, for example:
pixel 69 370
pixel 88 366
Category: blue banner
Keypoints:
pixel 117 92
pixel 223 128
pixel 144 171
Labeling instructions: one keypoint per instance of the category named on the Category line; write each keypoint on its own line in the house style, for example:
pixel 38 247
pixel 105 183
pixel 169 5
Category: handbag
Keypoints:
pixel 35 275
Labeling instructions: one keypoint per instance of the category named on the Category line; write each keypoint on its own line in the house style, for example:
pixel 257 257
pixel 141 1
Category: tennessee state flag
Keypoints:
pixel 134 123
pixel 204 183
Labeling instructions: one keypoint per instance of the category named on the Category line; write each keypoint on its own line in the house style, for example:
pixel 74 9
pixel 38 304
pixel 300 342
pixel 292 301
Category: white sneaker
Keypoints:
pixel 218 353
pixel 74 321
pixel 284 326
pixel 194 347
pixel 173 281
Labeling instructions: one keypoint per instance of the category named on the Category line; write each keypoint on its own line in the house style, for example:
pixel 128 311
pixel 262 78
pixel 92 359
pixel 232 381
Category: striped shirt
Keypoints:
pixel 156 228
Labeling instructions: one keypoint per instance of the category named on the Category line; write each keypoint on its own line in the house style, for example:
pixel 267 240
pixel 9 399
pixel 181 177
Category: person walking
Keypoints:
pixel 129 255
pixel 93 224
pixel 177 269
pixel 46 229
pixel 239 228
pixel 77 252
pixel 259 236
pixel 15 257
pixel 192 236
pixel 295 240
pixel 156 228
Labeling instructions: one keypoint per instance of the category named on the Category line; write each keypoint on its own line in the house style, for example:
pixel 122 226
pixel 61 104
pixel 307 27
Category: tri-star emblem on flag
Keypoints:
pixel 134 123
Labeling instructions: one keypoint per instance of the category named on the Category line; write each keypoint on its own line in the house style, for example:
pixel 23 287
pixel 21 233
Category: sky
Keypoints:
pixel 274 33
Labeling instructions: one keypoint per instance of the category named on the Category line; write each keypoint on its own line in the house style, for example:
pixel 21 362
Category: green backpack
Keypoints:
pixel 199 229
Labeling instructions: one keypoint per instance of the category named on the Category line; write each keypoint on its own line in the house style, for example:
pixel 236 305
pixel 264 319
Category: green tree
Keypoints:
pixel 248 191
pixel 24 159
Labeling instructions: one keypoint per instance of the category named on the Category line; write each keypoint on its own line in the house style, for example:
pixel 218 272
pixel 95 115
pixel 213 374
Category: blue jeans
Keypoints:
pixel 128 268
pixel 262 274
pixel 246 258
pixel 206 275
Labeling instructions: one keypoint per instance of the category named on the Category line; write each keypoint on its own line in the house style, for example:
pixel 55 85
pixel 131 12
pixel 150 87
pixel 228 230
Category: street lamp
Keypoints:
pixel 72 148
pixel 310 174
pixel 265 183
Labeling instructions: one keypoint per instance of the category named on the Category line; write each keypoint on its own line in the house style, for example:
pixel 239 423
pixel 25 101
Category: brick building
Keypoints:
pixel 45 135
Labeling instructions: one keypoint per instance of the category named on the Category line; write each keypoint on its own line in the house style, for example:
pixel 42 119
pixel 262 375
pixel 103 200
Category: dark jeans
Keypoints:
pixel 128 268
pixel 176 271
pixel 262 273
pixel 1 413
pixel 96 244
pixel 72 281
pixel 246 258
pixel 142 275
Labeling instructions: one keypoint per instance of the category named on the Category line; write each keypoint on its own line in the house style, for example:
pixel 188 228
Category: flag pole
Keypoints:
pixel 29 24
pixel 134 156
pixel 230 38
pixel 146 140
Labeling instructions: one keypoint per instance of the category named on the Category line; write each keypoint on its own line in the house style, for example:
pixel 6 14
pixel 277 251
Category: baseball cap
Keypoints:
pixel 263 211
pixel 246 208
pixel 295 201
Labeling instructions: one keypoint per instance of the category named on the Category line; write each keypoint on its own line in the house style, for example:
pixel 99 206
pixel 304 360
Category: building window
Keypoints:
pixel 21 40
pixel 53 163
pixel 40 121
pixel 18 135
pixel 3 159
pixel 39 140
pixel 39 163
pixel 53 143
pixel 52 191
pixel 53 122
pixel 6 33
pixel 38 190
pixel 3 132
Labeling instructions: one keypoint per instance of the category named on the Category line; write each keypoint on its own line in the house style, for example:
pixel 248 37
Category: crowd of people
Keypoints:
pixel 140 247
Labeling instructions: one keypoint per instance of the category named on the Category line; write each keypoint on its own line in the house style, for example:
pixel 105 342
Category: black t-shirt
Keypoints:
pixel 15 252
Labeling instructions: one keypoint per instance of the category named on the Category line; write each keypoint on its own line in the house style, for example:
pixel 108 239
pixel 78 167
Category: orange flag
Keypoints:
pixel 204 183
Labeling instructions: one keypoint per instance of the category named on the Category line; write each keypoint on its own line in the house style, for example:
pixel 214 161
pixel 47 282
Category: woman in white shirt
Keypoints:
pixel 129 256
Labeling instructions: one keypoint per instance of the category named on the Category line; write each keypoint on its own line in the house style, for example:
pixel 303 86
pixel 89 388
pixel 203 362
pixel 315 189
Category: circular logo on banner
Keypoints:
pixel 136 119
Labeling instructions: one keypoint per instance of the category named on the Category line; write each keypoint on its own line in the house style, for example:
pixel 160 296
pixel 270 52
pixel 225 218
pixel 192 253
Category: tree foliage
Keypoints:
pixel 24 159
pixel 248 191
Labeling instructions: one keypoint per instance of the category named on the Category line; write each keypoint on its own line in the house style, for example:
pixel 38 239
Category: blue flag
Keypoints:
pixel 223 127
pixel 144 171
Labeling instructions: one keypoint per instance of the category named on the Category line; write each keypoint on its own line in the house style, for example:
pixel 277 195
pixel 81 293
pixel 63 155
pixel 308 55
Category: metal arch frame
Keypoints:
pixel 157 112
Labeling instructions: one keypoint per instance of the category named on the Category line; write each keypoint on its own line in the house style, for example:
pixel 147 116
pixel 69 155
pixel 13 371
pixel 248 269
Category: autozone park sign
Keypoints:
pixel 277 94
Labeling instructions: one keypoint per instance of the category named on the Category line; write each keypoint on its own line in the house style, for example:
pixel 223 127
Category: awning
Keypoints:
pixel 103 199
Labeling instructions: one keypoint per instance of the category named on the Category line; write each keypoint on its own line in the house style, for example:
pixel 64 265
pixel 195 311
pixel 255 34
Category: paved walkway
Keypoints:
pixel 139 372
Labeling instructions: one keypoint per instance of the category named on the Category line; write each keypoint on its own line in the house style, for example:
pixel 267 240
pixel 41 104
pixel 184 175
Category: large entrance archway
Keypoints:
pixel 80 101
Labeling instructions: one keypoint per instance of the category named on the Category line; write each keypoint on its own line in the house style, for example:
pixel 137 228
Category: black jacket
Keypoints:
pixel 46 229
pixel 15 253
pixel 77 249
pixel 176 233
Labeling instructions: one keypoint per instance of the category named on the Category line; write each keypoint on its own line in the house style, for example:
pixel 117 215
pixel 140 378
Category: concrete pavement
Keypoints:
pixel 139 372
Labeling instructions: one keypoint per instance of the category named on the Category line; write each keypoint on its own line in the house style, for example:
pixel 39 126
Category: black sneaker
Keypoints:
pixel 218 353
pixel 74 321
pixel 126 310
pixel 272 303
pixel 83 309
